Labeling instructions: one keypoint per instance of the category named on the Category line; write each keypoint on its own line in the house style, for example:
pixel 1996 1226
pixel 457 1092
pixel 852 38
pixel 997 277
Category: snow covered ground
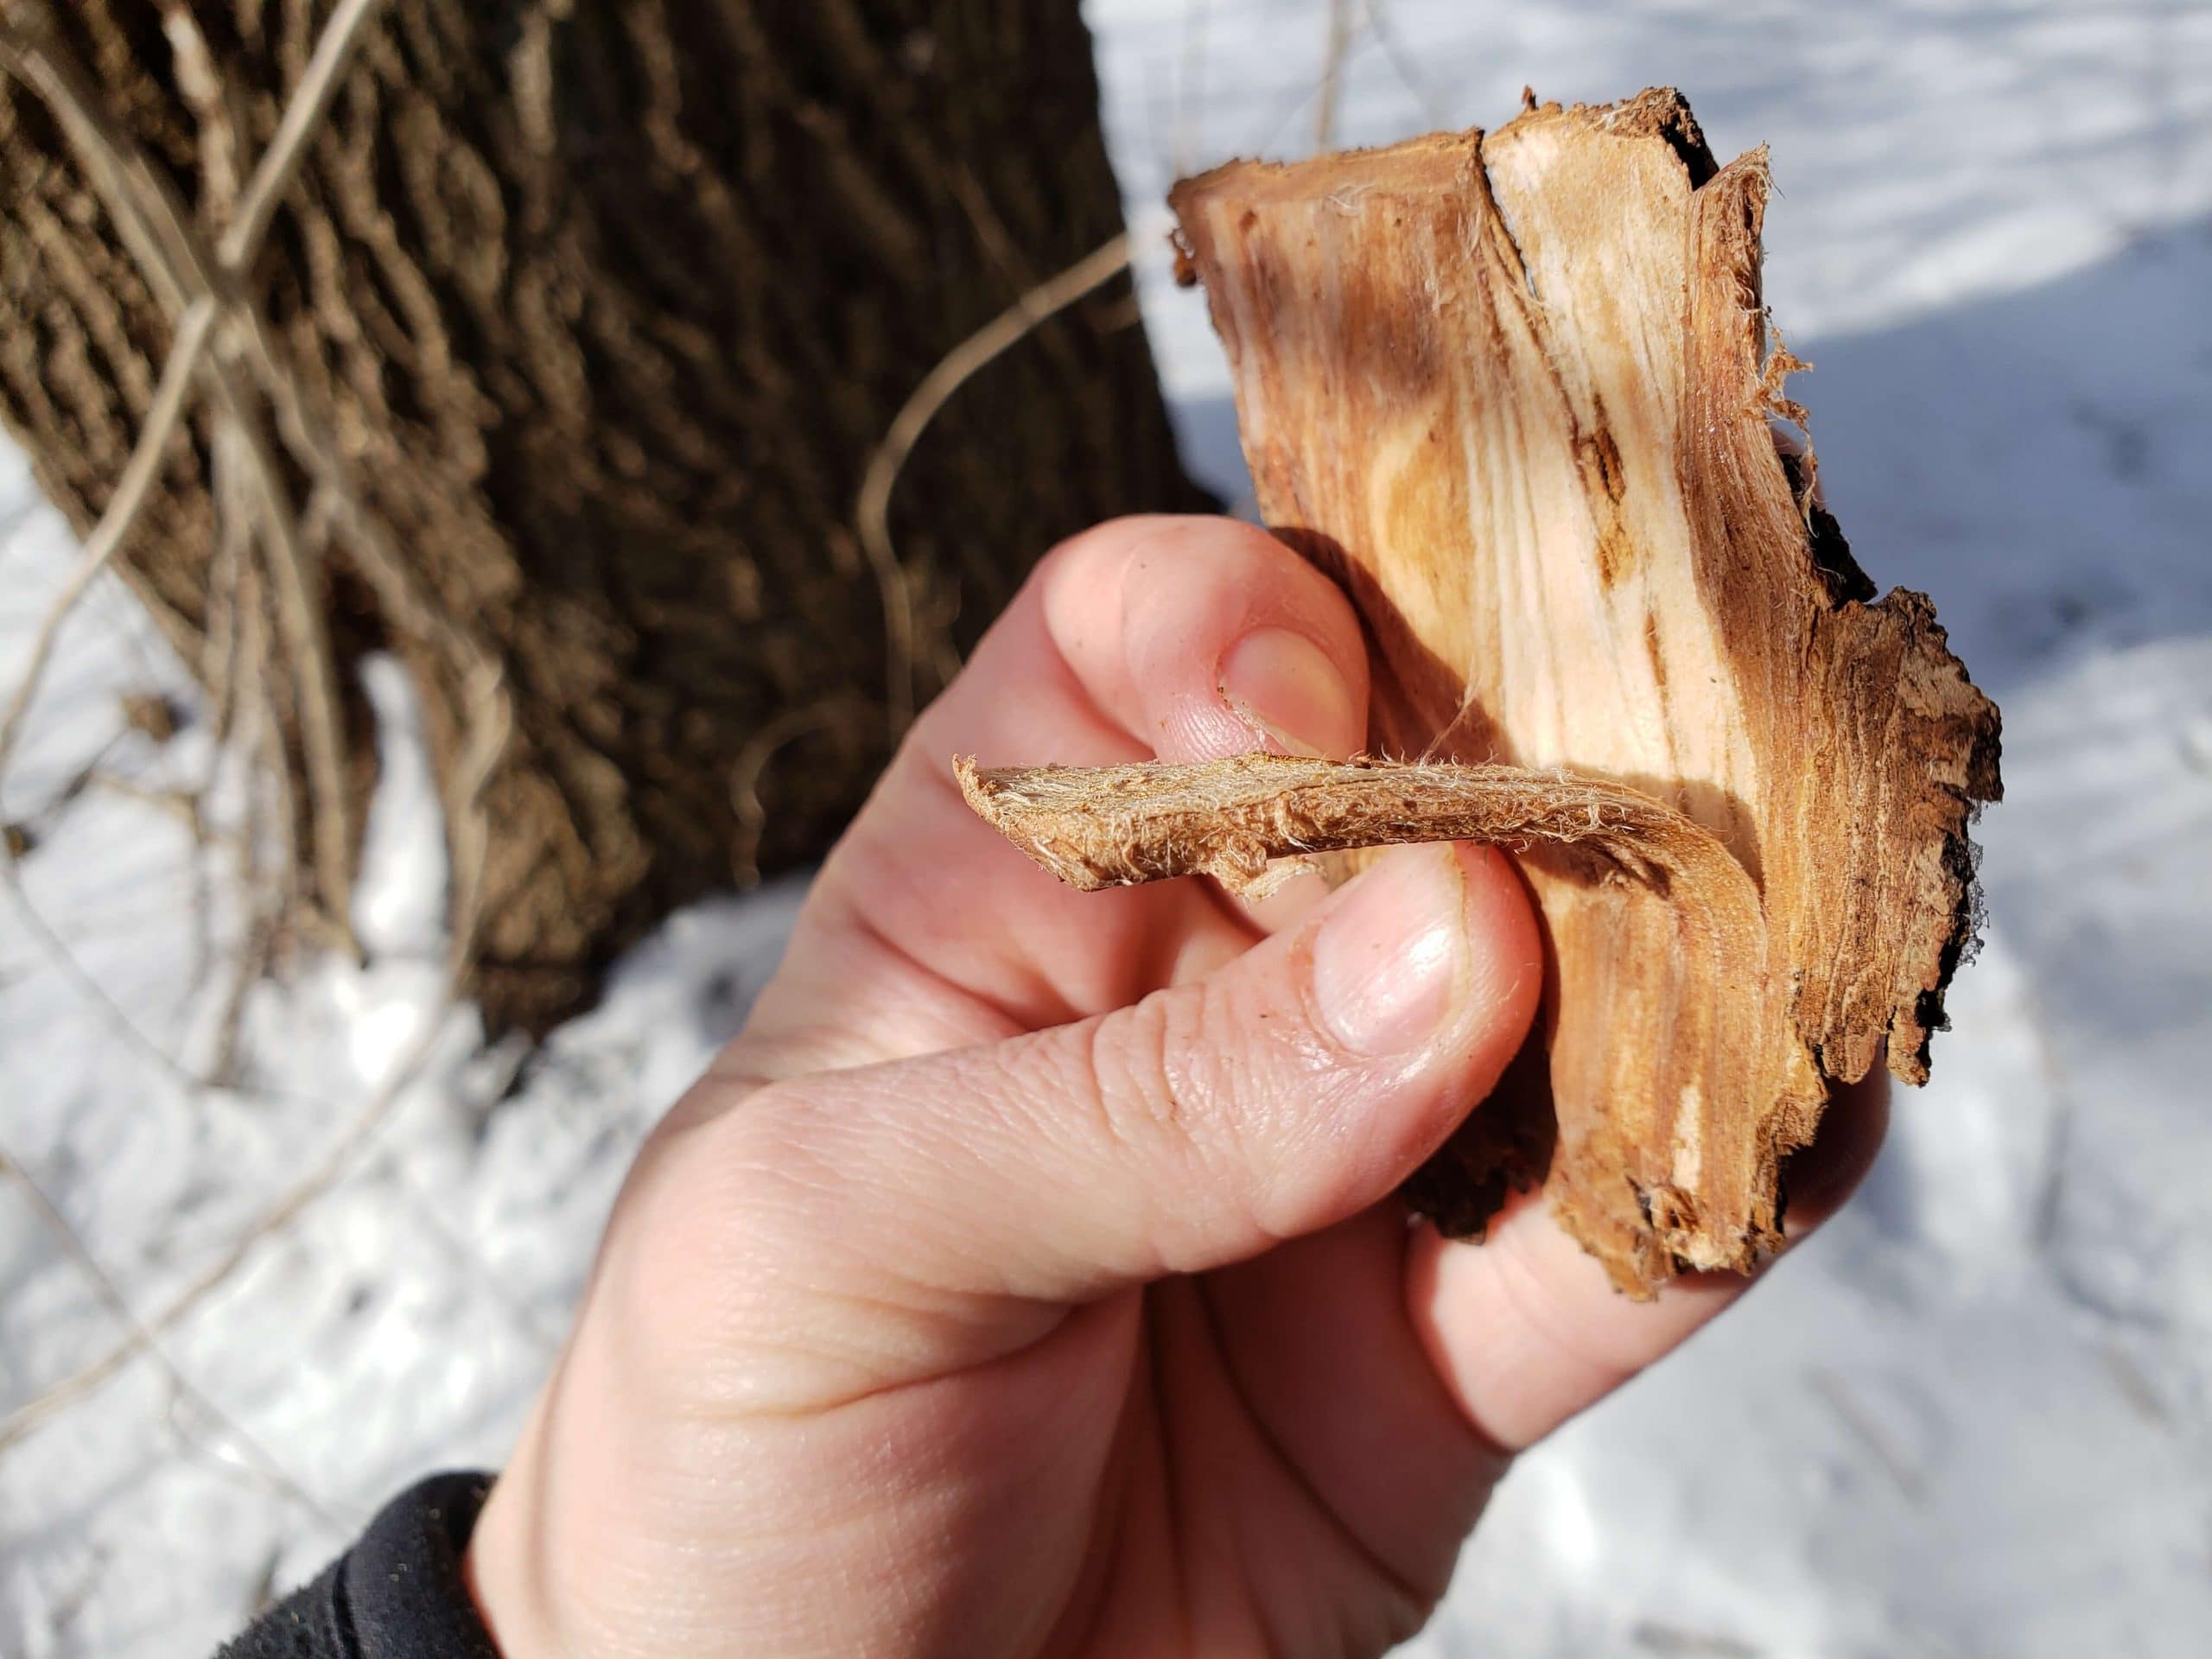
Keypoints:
pixel 1973 1418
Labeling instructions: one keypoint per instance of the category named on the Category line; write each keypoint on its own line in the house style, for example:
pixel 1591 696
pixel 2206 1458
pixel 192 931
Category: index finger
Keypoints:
pixel 1185 639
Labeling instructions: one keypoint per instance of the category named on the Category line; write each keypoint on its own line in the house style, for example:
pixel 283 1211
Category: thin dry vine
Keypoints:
pixel 266 592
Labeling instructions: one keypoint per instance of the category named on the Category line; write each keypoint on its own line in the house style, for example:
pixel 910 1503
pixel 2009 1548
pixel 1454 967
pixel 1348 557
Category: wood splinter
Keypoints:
pixel 1252 820
pixel 1517 392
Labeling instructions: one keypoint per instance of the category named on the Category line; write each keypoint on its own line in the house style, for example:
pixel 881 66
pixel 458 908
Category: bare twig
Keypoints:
pixel 200 81
pixel 753 761
pixel 72 789
pixel 873 511
pixel 1385 35
pixel 148 215
pixel 182 804
pixel 1897 1460
pixel 254 730
pixel 273 764
pixel 132 491
pixel 301 624
pixel 1332 72
pixel 64 962
pixel 159 231
pixel 288 1205
pixel 1671 1642
pixel 111 1297
pixel 226 570
pixel 490 724
pixel 221 155
pixel 310 102
pixel 1185 142
pixel 200 288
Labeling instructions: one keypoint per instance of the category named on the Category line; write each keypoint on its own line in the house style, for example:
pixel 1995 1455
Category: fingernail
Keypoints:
pixel 1285 687
pixel 1386 961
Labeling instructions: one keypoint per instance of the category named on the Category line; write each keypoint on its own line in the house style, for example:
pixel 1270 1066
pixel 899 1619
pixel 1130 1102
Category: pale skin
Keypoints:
pixel 1028 1278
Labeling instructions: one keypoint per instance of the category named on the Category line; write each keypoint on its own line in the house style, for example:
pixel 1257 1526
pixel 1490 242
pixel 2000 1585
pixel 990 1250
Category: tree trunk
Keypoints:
pixel 583 319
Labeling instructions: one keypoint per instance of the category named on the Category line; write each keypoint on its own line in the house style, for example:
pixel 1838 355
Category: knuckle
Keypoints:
pixel 1140 1102
pixel 772 1175
pixel 733 1276
pixel 1099 548
pixel 730 1204
pixel 1164 1099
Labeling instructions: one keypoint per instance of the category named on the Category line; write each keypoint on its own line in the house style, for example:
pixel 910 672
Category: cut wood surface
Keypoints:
pixel 1517 392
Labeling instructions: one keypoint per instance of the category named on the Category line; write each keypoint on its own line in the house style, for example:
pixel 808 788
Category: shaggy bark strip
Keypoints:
pixel 1516 392
pixel 1238 819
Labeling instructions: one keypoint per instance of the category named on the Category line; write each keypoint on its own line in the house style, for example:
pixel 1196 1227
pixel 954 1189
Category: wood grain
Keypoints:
pixel 1517 392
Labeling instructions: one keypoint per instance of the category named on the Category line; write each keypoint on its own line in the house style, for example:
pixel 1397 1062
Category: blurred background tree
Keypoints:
pixel 547 345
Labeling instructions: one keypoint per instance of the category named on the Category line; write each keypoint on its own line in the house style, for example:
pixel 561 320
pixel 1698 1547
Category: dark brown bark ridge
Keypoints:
pixel 607 307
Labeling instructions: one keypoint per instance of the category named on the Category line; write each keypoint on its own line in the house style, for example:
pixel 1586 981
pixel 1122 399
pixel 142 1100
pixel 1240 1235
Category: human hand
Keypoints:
pixel 1026 1278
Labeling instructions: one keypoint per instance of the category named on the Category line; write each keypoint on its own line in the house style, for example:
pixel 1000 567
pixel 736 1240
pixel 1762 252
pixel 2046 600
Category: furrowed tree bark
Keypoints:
pixel 600 308
pixel 1516 392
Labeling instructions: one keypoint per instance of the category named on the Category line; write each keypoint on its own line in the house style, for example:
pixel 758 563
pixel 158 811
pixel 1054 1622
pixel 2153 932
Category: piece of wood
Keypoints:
pixel 1515 392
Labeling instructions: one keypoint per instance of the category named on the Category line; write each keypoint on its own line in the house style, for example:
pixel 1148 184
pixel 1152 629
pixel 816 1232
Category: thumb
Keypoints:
pixel 1290 1089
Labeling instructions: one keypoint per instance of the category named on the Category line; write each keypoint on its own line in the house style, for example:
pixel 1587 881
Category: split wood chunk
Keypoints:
pixel 1245 820
pixel 1515 391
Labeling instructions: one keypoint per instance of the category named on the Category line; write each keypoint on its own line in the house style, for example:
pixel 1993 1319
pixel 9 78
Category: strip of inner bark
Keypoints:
pixel 1097 827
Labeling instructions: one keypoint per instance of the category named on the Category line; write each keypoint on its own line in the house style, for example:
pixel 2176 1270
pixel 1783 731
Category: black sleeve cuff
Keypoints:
pixel 397 1595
